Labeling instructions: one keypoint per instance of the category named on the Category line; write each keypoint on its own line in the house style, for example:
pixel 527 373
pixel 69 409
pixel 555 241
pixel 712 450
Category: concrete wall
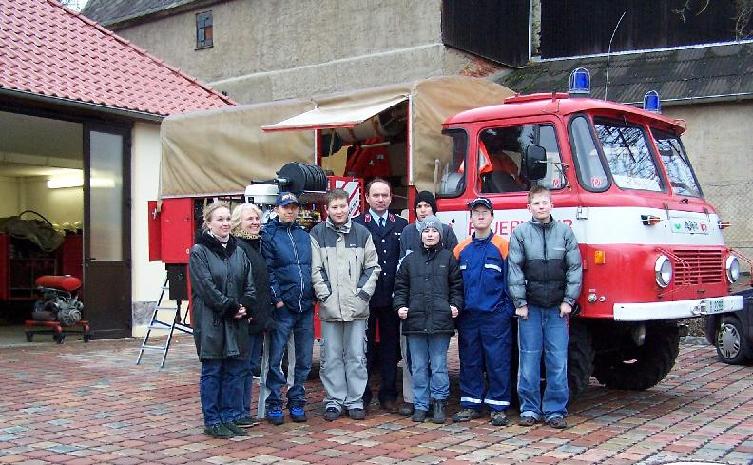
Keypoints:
pixel 717 141
pixel 146 276
pixel 57 205
pixel 267 50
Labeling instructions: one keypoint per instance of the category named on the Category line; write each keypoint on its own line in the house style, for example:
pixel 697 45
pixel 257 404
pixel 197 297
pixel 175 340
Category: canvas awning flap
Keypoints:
pixel 336 115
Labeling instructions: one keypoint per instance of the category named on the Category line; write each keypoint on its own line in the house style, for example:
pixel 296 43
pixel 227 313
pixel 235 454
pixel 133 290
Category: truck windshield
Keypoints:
pixel 452 168
pixel 628 155
pixel 680 173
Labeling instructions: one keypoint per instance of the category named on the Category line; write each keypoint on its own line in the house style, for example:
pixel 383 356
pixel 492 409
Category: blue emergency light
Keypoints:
pixel 652 102
pixel 580 83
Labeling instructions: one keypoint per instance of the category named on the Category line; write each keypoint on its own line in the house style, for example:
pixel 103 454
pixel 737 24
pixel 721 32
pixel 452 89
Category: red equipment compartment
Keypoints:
pixel 176 231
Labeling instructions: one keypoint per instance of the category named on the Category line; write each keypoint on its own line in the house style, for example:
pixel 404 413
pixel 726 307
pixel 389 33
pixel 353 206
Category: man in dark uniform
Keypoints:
pixel 385 229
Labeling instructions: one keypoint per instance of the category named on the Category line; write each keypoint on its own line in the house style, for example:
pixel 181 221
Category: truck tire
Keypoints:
pixel 730 342
pixel 580 358
pixel 642 367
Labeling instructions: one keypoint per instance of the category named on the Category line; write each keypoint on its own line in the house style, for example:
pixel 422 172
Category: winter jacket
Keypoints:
pixel 286 247
pixel 428 282
pixel 261 313
pixel 221 282
pixel 345 270
pixel 387 242
pixel 483 264
pixel 410 239
pixel 545 264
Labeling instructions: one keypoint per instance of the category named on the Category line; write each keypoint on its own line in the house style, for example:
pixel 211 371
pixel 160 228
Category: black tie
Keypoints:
pixel 381 222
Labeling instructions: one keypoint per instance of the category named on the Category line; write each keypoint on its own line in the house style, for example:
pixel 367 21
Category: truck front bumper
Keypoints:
pixel 676 309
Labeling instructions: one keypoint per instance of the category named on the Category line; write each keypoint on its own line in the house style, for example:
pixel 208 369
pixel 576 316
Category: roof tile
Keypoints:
pixel 49 50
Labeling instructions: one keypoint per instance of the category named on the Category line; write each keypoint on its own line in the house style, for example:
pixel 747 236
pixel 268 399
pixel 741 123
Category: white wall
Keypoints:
pixel 57 205
pixel 9 193
pixel 146 276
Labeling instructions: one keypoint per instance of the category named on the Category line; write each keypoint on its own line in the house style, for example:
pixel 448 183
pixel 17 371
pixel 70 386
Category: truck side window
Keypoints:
pixel 590 169
pixel 452 181
pixel 501 158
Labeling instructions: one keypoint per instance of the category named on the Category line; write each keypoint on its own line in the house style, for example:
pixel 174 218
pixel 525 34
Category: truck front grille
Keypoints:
pixel 698 266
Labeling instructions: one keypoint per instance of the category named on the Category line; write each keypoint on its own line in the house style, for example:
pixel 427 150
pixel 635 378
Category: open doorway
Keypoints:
pixel 42 212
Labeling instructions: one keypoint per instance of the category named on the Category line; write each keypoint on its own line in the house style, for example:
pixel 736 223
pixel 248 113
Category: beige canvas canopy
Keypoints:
pixel 220 151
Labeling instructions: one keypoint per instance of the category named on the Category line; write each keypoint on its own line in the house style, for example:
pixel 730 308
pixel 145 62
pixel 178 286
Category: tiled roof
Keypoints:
pixel 48 50
pixel 109 12
pixel 714 72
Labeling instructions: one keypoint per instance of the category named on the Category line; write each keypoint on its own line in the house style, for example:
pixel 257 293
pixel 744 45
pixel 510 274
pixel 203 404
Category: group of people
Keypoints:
pixel 414 282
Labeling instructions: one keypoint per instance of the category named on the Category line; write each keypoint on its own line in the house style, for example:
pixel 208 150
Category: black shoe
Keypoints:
pixel 297 414
pixel 419 416
pixel 218 431
pixel 439 411
pixel 246 422
pixel 235 429
pixel 275 415
pixel 357 413
pixel 389 405
pixel 557 422
pixel 527 421
pixel 466 414
pixel 406 409
pixel 499 418
pixel 331 414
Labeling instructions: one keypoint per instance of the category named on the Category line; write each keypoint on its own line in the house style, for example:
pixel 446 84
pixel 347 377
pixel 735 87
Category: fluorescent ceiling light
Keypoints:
pixel 59 182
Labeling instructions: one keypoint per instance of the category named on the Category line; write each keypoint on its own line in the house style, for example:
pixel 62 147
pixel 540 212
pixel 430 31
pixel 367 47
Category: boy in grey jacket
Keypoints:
pixel 345 269
pixel 545 273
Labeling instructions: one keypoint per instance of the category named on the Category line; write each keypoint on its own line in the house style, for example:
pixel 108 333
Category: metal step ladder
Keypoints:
pixel 156 324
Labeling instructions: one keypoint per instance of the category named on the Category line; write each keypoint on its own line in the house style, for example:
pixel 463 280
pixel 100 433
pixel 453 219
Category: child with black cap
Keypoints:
pixel 428 297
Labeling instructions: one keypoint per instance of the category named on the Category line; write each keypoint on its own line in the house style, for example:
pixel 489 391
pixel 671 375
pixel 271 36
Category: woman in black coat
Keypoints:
pixel 222 291
pixel 428 296
pixel 246 228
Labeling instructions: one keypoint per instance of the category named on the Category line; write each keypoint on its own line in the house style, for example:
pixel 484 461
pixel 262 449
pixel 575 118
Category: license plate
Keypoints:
pixel 711 306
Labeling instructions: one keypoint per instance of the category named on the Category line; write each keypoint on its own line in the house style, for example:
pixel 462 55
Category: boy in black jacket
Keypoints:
pixel 428 296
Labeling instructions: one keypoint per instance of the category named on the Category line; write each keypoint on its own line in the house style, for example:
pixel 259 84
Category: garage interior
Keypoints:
pixel 41 181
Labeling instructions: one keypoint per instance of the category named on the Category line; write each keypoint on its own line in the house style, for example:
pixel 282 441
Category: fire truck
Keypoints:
pixel 653 249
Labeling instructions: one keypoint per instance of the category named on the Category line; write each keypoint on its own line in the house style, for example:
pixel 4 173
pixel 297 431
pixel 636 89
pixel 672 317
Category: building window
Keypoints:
pixel 204 30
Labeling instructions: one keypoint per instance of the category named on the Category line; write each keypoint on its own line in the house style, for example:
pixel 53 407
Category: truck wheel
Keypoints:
pixel 646 365
pixel 731 346
pixel 580 358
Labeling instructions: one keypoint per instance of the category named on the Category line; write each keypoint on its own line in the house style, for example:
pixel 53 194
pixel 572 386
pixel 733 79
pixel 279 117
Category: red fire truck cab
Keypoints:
pixel 652 248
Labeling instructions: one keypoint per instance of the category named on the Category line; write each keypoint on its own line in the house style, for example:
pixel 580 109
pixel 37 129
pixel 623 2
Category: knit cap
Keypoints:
pixel 431 222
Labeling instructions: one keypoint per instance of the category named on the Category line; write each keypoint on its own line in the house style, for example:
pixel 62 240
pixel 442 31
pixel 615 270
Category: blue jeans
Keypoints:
pixel 544 331
pixel 429 351
pixel 301 325
pixel 221 389
pixel 256 341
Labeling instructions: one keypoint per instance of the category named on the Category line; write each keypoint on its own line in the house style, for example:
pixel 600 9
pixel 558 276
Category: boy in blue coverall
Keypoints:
pixel 484 327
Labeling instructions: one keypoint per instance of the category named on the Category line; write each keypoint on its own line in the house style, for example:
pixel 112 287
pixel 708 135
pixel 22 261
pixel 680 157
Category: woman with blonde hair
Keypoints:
pixel 222 292
pixel 245 225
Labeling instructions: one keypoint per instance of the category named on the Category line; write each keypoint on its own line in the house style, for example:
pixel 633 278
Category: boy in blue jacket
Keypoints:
pixel 484 326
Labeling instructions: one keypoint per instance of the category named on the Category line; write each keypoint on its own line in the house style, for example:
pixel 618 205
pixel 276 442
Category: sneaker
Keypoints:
pixel 466 414
pixel 275 416
pixel 527 421
pixel 557 422
pixel 357 413
pixel 331 414
pixel 235 429
pixel 419 416
pixel 218 431
pixel 246 422
pixel 406 409
pixel 499 418
pixel 297 414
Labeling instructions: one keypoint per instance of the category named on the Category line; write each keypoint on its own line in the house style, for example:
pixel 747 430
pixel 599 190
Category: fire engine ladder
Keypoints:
pixel 156 324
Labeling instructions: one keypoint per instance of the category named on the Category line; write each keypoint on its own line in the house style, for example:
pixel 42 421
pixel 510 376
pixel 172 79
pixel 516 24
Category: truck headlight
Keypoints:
pixel 663 271
pixel 732 266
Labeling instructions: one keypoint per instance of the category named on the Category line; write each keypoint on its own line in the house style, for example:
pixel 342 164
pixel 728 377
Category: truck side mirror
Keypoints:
pixel 536 162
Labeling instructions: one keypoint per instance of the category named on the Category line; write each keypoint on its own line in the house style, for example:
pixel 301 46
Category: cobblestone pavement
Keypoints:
pixel 89 403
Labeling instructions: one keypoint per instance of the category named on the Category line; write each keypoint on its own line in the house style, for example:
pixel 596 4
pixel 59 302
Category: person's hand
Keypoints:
pixel 522 312
pixel 565 309
pixel 241 313
pixel 454 311
pixel 280 304
pixel 402 312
